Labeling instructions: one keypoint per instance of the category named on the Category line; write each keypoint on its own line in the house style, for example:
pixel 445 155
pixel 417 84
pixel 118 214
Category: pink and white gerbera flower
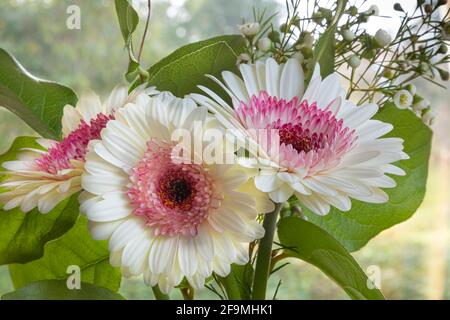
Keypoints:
pixel 329 150
pixel 43 178
pixel 164 218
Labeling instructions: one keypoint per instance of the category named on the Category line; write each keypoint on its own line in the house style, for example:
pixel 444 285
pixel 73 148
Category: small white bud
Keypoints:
pixel 308 40
pixel 348 35
pixel 424 67
pixel 299 56
pixel 243 58
pixel 354 61
pixel 373 10
pixel 412 89
pixel 403 99
pixel 264 44
pixel 421 105
pixel 428 117
pixel 249 29
pixel 382 38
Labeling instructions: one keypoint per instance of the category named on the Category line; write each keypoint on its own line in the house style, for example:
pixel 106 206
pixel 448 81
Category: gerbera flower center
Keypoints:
pixel 175 190
pixel 173 198
pixel 302 128
pixel 73 146
pixel 300 139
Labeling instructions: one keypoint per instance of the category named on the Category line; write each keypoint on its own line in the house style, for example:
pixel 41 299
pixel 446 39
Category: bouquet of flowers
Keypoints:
pixel 224 159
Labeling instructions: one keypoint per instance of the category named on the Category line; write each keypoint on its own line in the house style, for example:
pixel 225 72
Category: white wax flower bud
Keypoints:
pixel 348 35
pixel 243 58
pixel 403 99
pixel 373 10
pixel 249 29
pixel 412 89
pixel 264 44
pixel 354 61
pixel 299 56
pixel 428 117
pixel 421 105
pixel 383 38
pixel 306 40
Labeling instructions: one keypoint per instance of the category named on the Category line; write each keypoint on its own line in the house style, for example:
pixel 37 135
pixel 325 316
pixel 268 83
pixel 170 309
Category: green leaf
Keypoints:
pixel 186 68
pixel 128 21
pixel 308 242
pixel 244 278
pixel 57 290
pixel 75 248
pixel 324 49
pixel 23 235
pixel 364 221
pixel 37 102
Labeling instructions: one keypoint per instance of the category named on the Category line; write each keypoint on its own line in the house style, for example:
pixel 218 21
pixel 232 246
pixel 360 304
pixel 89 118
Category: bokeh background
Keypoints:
pixel 413 257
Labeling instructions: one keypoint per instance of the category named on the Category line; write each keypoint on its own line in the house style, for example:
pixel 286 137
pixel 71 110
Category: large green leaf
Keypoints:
pixel 57 290
pixel 75 248
pixel 183 70
pixel 308 242
pixel 39 103
pixel 324 49
pixel 23 235
pixel 364 221
pixel 128 21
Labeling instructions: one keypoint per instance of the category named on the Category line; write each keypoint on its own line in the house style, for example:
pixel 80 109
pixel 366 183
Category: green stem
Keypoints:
pixel 159 295
pixel 265 255
pixel 231 287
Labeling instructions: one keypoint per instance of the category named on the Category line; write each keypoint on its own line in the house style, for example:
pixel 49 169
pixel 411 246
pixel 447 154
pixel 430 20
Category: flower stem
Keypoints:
pixel 231 287
pixel 159 295
pixel 265 255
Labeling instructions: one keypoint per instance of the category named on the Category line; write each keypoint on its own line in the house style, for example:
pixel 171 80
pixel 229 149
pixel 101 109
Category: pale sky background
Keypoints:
pixel 385 7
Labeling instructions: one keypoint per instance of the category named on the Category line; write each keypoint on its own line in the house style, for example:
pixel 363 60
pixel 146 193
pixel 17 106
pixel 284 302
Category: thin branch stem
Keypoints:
pixel 147 22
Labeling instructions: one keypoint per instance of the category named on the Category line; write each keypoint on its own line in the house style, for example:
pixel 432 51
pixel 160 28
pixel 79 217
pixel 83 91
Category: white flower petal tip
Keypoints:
pixel 164 219
pixel 43 178
pixel 330 150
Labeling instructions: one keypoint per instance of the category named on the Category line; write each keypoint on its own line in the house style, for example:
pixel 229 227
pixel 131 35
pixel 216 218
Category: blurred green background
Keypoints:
pixel 413 258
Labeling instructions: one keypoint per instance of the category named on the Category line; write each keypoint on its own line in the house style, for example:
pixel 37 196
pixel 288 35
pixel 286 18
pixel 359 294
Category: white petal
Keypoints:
pixel 115 207
pixel 103 230
pixel 89 106
pixel 236 85
pixel 225 219
pixel 70 120
pixel 315 204
pixel 204 244
pixel 162 254
pixel 268 183
pixel 281 194
pixel 251 83
pixel 292 80
pixel 273 74
pixel 129 230
pixel 361 115
pixel 187 256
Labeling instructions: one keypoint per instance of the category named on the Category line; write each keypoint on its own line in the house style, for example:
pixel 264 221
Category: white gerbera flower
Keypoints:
pixel 42 179
pixel 167 219
pixel 329 148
